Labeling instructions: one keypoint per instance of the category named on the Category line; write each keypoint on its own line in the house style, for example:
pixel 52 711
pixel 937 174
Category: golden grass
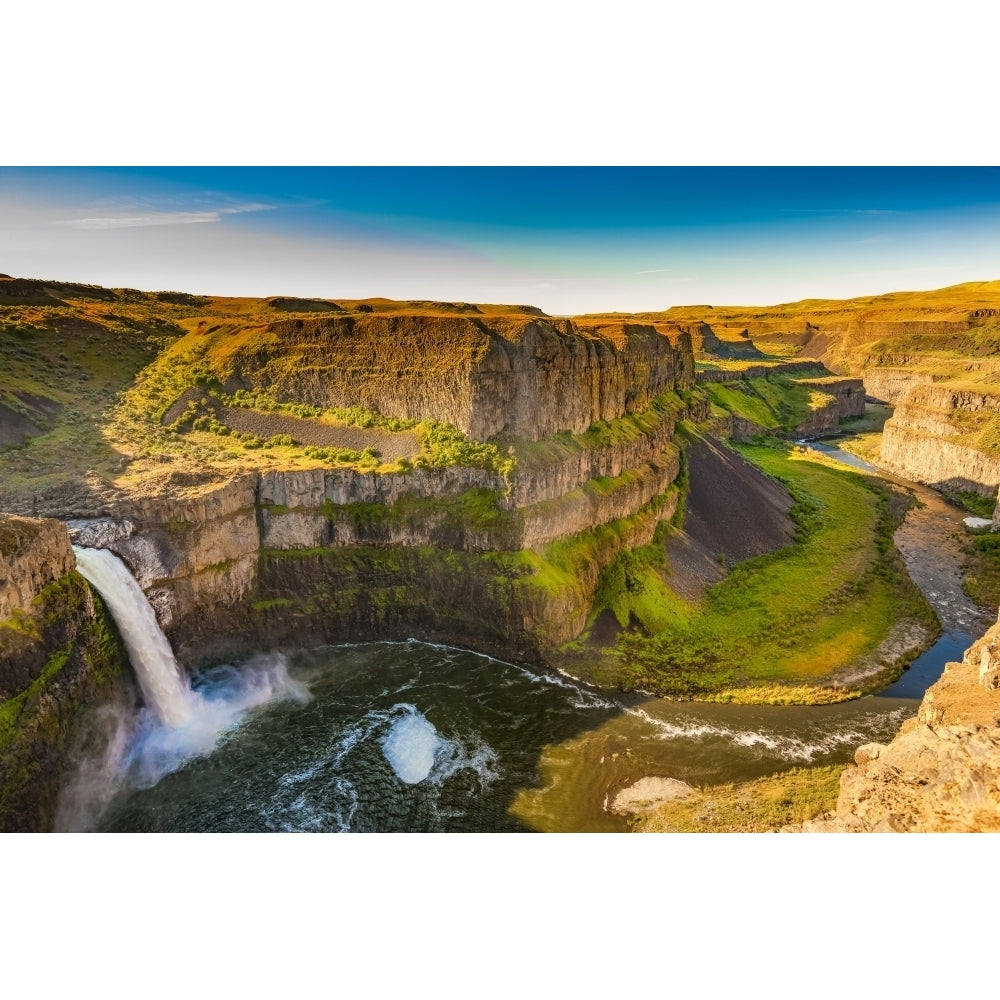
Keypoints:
pixel 760 806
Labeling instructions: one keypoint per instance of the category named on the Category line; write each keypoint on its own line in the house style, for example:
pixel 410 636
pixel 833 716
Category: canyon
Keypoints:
pixel 481 476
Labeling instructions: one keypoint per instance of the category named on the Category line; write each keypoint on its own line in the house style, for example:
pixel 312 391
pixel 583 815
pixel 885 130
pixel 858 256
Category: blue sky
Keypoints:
pixel 570 240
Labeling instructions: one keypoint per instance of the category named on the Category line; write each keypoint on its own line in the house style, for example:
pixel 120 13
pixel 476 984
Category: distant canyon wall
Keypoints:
pixel 939 435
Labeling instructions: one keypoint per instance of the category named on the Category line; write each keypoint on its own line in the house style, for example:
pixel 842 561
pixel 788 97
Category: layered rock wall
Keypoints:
pixel 927 438
pixel 33 552
pixel 759 371
pixel 583 508
pixel 849 394
pixel 889 385
pixel 206 561
pixel 493 379
pixel 59 655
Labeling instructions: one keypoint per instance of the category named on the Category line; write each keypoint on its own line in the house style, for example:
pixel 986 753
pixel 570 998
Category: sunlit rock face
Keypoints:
pixel 492 377
pixel 927 438
pixel 942 772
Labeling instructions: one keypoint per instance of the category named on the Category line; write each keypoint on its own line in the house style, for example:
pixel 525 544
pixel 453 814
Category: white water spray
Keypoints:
pixel 166 693
pixel 180 723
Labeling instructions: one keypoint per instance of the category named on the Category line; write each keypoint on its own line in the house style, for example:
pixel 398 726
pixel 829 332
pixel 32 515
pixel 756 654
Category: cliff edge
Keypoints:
pixel 941 773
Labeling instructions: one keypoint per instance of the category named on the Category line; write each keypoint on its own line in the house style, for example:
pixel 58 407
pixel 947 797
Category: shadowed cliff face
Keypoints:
pixel 59 656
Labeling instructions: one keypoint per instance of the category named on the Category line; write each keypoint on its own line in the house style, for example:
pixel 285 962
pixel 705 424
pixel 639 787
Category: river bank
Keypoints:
pixel 932 541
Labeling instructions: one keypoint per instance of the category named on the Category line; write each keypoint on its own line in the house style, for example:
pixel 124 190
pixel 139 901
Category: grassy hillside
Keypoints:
pixel 89 373
pixel 779 627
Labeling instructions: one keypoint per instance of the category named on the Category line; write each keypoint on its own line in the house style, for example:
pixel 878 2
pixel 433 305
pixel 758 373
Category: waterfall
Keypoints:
pixel 166 691
pixel 181 721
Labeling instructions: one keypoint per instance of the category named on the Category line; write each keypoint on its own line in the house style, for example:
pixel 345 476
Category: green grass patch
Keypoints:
pixel 787 618
pixel 735 398
pixel 974 503
pixel 777 402
pixel 12 709
pixel 274 602
pixel 982 572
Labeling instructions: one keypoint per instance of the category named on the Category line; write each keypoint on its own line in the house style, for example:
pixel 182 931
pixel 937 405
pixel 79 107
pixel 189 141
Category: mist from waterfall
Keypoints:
pixel 180 720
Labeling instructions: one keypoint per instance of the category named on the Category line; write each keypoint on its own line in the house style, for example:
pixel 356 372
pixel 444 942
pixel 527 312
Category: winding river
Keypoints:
pixel 416 737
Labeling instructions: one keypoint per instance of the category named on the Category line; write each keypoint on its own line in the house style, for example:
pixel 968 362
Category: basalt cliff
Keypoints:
pixel 282 473
pixel 931 356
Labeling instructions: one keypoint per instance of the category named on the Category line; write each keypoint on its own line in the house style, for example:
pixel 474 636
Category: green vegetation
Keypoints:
pixel 274 602
pixel 777 625
pixel 864 433
pixel 777 402
pixel 739 399
pixel 982 573
pixel 57 609
pixel 662 410
pixel 12 709
pixel 759 806
pixel 444 446
pixel 974 503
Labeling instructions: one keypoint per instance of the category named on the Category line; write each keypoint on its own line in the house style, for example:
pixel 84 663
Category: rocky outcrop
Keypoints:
pixel 315 487
pixel 59 655
pixel 594 504
pixel 206 557
pixel 823 419
pixel 494 378
pixel 557 467
pixel 942 772
pixel 33 553
pixel 889 385
pixel 932 437
pixel 937 461
pixel 759 371
pixel 848 392
pixel 649 793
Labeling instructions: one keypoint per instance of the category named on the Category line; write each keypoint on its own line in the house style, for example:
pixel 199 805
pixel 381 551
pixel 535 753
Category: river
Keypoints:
pixel 416 737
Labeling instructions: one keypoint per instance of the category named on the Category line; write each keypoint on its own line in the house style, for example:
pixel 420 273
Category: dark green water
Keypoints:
pixel 511 749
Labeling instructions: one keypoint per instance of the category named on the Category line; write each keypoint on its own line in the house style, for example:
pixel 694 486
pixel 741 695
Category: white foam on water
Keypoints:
pixel 179 723
pixel 582 697
pixel 783 746
pixel 410 746
pixel 225 697
pixel 305 814
pixel 454 756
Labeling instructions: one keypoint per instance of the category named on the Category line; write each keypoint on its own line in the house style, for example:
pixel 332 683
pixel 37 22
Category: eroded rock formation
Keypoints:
pixel 59 655
pixel 935 436
pixel 492 377
pixel 942 772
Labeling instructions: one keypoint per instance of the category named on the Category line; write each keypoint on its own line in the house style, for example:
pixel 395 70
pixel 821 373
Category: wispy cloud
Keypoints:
pixel 135 220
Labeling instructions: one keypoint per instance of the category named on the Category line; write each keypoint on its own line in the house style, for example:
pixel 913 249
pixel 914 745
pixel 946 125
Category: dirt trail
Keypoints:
pixel 390 445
